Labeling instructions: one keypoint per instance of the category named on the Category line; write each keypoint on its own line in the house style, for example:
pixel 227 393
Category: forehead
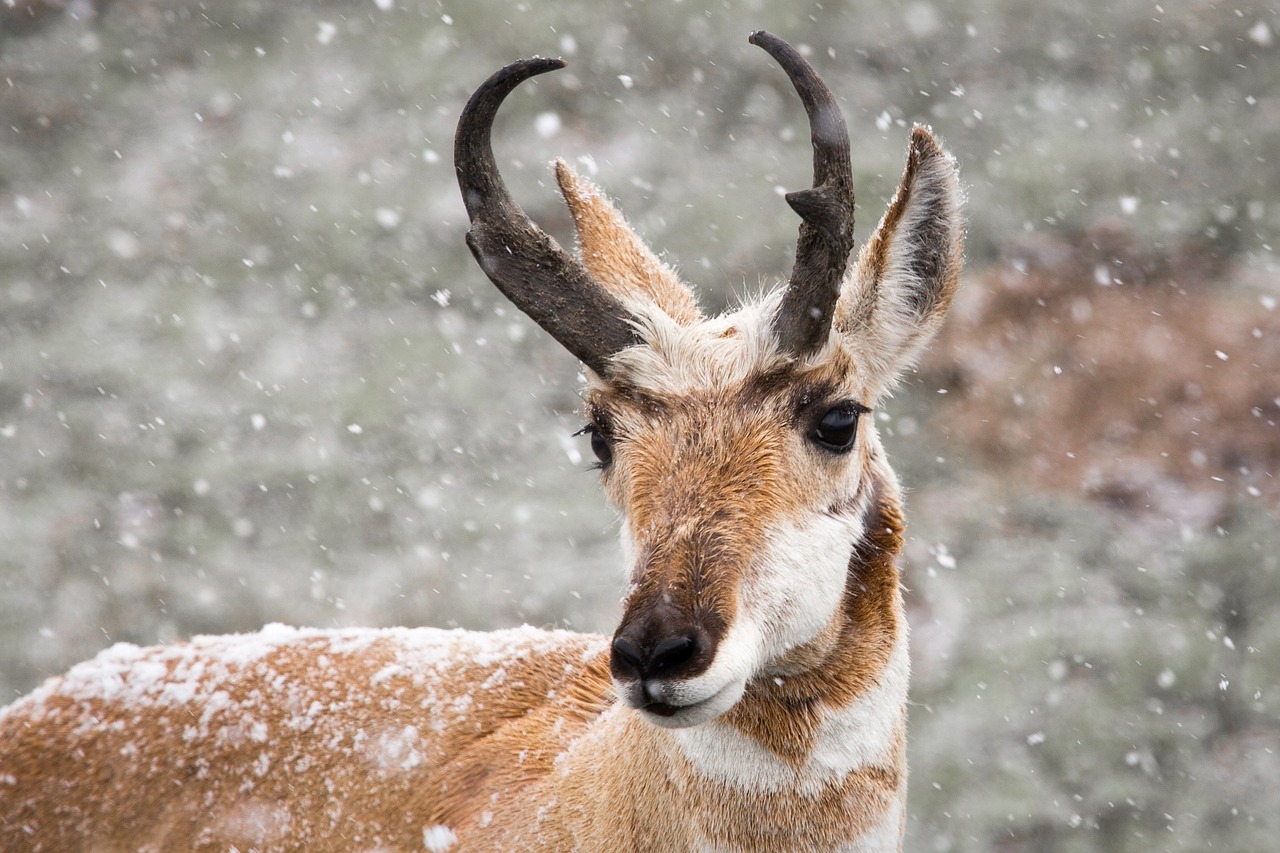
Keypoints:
pixel 731 356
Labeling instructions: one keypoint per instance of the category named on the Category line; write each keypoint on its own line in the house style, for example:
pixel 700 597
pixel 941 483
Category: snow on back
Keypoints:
pixel 165 675
pixel 372 702
pixel 250 719
pixel 200 670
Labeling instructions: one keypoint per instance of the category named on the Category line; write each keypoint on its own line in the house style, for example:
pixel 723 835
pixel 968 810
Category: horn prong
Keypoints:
pixel 826 210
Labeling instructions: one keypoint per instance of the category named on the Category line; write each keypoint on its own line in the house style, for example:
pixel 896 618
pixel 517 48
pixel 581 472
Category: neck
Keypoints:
pixel 855 670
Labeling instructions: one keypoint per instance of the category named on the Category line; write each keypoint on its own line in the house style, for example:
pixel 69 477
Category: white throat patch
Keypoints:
pixel 862 734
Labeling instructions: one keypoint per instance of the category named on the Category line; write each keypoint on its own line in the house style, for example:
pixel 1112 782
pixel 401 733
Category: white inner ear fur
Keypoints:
pixel 877 310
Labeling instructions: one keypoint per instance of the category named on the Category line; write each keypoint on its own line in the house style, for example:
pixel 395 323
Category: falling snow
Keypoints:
pixel 243 382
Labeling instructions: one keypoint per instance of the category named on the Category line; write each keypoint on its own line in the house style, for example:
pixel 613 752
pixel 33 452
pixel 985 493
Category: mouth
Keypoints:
pixel 672 716
pixel 662 709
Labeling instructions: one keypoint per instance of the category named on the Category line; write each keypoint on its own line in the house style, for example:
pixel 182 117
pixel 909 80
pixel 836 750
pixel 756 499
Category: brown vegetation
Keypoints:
pixel 1125 371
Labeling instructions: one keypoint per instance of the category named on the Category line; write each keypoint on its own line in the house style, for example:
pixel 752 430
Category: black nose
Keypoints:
pixel 635 658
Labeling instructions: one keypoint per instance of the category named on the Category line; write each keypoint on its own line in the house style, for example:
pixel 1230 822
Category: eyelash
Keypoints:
pixel 599 446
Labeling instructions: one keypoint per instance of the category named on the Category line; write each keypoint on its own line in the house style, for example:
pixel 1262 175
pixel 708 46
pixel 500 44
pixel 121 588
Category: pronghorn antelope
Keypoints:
pixel 753 695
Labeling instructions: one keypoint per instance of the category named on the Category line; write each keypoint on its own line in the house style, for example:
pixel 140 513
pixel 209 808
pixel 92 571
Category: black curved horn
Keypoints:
pixel 544 281
pixel 826 231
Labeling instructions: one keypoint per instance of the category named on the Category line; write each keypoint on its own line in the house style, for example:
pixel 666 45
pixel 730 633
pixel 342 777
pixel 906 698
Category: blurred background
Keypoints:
pixel 250 373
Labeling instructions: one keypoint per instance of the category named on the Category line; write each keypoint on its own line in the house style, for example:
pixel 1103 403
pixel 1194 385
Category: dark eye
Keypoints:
pixel 600 446
pixel 837 428
pixel 601 443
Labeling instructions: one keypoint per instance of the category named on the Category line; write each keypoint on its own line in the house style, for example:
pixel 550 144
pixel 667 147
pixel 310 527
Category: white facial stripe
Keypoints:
pixel 798 584
pixel 630 550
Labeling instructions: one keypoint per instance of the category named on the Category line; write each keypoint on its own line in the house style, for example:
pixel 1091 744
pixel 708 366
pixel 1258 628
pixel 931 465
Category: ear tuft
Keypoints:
pixel 907 272
pixel 614 254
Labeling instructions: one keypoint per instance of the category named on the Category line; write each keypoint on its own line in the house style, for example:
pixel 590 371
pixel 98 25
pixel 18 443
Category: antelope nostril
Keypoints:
pixel 672 653
pixel 642 661
pixel 628 656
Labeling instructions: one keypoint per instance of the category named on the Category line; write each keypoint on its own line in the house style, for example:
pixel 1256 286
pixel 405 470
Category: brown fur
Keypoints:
pixel 117 764
pixel 481 773
pixel 615 256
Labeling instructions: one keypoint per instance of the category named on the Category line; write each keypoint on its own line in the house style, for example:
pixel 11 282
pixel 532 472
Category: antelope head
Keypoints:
pixel 738 449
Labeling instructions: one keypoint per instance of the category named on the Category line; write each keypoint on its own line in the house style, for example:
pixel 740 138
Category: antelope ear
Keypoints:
pixel 616 257
pixel 897 295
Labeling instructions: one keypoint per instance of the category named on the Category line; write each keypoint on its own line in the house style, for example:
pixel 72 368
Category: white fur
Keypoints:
pixel 887 836
pixel 856 735
pixel 716 352
pixel 861 734
pixel 794 591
